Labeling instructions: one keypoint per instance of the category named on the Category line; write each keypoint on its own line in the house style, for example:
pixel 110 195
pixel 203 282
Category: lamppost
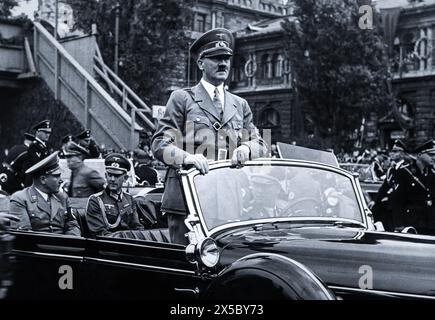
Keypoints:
pixel 117 13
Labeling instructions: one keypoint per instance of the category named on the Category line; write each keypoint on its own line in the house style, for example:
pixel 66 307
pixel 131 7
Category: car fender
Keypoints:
pixel 267 276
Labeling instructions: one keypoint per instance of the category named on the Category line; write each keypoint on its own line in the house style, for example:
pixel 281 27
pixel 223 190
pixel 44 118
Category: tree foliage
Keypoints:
pixel 6 6
pixel 151 39
pixel 339 68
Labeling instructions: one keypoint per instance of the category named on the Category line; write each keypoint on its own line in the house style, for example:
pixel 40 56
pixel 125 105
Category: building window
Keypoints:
pixel 199 22
pixel 270 119
pixel 277 61
pixel 265 66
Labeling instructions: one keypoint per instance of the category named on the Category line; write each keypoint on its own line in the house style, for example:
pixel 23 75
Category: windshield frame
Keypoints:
pixel 196 213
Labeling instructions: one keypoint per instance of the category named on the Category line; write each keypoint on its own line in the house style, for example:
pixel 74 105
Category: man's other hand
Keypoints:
pixel 240 155
pixel 199 161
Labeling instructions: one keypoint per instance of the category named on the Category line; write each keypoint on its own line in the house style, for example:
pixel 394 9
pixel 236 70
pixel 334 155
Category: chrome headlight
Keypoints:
pixel 205 252
pixel 208 252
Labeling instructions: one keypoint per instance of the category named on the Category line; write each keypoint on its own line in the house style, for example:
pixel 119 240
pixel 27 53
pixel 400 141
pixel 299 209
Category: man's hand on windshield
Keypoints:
pixel 199 161
pixel 240 155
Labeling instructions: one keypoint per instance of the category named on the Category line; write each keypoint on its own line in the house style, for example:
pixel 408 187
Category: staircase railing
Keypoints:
pixel 130 101
pixel 82 94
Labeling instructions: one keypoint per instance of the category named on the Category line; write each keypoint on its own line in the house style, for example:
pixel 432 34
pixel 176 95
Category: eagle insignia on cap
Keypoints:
pixel 115 165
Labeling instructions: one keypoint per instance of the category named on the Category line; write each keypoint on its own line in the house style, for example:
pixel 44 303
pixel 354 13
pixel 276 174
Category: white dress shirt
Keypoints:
pixel 43 194
pixel 210 90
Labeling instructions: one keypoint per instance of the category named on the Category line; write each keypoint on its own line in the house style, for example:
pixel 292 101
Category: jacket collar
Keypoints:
pixel 51 208
pixel 202 98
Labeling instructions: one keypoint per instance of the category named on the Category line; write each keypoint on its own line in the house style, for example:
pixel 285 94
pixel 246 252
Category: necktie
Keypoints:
pixel 217 102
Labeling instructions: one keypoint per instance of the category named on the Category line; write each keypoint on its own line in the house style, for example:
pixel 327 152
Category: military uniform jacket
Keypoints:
pixel 85 182
pixel 45 216
pixel 13 168
pixel 105 214
pixel 412 199
pixel 191 115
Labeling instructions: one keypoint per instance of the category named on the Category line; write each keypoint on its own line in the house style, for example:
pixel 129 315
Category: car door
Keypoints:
pixel 137 269
pixel 46 266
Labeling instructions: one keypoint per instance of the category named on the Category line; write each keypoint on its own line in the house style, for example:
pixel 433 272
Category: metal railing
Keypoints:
pixel 82 94
pixel 129 100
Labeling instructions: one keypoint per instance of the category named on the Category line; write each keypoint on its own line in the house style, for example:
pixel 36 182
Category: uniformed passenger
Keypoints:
pixel 214 122
pixel 84 181
pixel 42 206
pixel 113 209
pixel 267 198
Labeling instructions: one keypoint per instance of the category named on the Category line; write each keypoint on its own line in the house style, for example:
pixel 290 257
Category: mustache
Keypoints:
pixel 222 68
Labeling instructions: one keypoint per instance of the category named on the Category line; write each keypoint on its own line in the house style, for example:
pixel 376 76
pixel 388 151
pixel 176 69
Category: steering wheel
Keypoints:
pixel 315 202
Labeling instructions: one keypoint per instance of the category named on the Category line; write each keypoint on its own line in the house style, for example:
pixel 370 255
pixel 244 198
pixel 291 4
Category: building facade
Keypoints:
pixel 413 69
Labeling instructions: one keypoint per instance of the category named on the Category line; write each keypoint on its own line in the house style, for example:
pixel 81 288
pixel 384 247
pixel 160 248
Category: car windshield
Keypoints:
pixel 262 192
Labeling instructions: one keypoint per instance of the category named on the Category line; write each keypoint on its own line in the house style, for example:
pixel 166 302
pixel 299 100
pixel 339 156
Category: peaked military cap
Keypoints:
pixel 428 146
pixel 43 126
pixel 399 146
pixel 48 165
pixel 29 136
pixel 216 42
pixel 84 135
pixel 67 138
pixel 116 163
pixel 73 149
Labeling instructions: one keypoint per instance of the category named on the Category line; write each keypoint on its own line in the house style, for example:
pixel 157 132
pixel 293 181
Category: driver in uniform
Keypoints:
pixel 267 200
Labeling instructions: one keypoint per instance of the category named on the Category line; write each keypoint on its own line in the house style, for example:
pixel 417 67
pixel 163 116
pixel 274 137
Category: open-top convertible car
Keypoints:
pixel 272 229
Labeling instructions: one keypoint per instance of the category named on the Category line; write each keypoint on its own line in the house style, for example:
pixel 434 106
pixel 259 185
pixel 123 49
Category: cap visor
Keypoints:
pixel 214 52
pixel 115 171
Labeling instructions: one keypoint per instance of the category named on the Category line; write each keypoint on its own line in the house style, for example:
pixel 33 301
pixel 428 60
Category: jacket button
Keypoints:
pixel 197 119
pixel 221 137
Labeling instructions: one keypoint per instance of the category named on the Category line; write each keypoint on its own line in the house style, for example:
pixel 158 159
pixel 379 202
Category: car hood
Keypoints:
pixel 344 257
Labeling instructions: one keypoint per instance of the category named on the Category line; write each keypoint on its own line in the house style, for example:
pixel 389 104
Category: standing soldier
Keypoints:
pixel 12 167
pixel 112 209
pixel 205 113
pixel 85 140
pixel 84 181
pixel 413 195
pixel 65 140
pixel 38 149
pixel 382 210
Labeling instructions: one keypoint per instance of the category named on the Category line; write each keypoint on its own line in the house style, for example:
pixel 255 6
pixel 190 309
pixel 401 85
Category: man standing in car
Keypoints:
pixel 215 123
